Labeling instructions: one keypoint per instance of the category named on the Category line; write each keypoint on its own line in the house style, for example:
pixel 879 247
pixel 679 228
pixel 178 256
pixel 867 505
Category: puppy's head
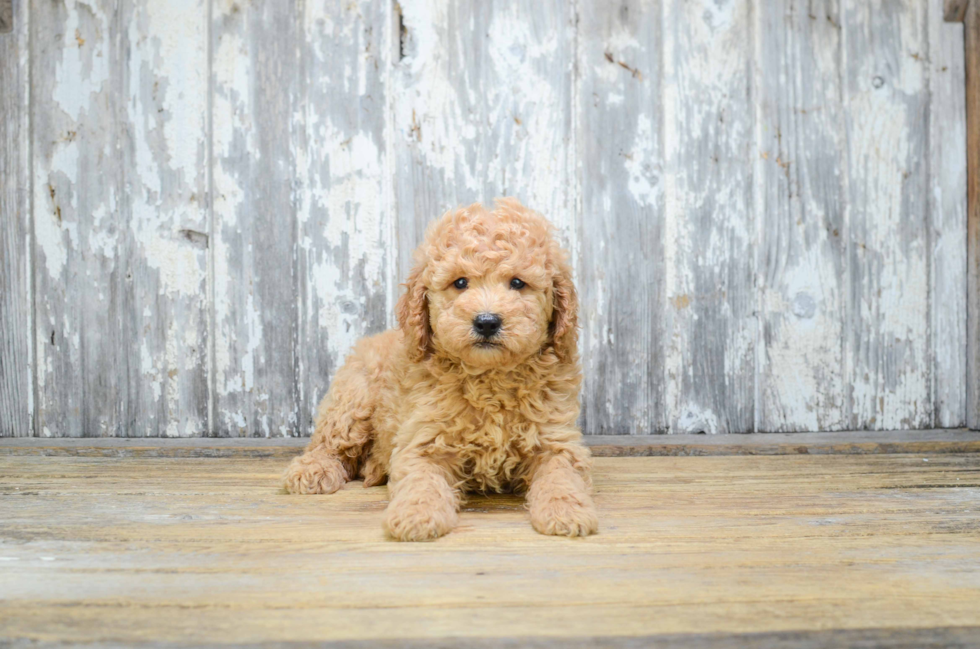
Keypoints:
pixel 490 289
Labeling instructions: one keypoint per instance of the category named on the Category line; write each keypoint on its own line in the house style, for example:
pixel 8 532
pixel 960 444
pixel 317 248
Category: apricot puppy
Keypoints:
pixel 476 391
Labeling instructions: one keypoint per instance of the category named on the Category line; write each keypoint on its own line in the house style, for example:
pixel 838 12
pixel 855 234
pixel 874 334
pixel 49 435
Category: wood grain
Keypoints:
pixel 801 264
pixel 972 65
pixel 481 97
pixel 119 99
pixel 345 247
pixel 620 145
pixel 75 166
pixel 141 551
pixel 946 211
pixel 16 337
pixel 764 201
pixel 710 224
pixel 256 289
pixel 163 141
pixel 888 301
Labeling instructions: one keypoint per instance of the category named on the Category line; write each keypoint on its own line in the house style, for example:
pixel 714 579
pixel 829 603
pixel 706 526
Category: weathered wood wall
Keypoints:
pixel 205 202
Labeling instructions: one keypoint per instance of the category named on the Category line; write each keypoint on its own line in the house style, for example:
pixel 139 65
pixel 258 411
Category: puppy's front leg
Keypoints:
pixel 559 498
pixel 424 505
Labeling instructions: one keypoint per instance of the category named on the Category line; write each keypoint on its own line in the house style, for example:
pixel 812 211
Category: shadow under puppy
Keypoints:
pixel 477 391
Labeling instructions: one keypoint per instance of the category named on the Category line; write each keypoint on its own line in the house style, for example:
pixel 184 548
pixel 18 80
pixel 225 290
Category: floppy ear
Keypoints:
pixel 564 319
pixel 413 315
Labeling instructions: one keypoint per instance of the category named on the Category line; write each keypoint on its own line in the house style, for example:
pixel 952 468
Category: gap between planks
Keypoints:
pixel 837 443
pixel 929 638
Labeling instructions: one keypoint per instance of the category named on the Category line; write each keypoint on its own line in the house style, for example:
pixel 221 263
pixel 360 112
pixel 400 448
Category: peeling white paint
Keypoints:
pixel 890 352
pixel 180 265
pixel 947 210
pixel 480 106
pixel 49 237
pixel 355 192
pixel 693 419
pixel 253 324
pixel 706 148
pixel 82 69
pixel 150 371
pixel 640 164
pixel 232 76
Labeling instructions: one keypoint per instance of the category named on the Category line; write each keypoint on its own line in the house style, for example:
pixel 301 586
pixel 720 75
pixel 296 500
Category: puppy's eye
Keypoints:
pixel 461 283
pixel 517 284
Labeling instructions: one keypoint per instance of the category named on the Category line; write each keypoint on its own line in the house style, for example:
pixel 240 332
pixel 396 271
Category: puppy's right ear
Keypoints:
pixel 413 315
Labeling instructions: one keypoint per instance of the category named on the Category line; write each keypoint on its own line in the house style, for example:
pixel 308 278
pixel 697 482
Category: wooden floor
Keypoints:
pixel 793 550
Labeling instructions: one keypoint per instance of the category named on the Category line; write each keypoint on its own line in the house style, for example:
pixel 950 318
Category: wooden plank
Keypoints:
pixel 947 220
pixel 483 101
pixel 120 168
pixel 972 65
pixel 889 349
pixel 839 443
pixel 75 164
pixel 710 227
pixel 16 336
pixel 345 246
pixel 620 150
pixel 163 188
pixel 799 171
pixel 210 552
pixel 255 283
pixel 481 98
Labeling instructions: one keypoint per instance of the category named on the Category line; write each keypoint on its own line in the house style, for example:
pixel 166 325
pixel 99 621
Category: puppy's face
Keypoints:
pixel 489 289
pixel 492 318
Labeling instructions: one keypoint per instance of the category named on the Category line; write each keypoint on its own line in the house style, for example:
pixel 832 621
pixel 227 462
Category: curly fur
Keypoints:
pixel 436 415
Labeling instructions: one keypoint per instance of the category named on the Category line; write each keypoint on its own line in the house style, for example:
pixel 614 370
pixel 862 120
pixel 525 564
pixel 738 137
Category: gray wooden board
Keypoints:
pixel 710 224
pixel 162 191
pixel 481 102
pixel 800 205
pixel 302 254
pixel 886 108
pixel 344 223
pixel 946 210
pixel 16 337
pixel 971 39
pixel 255 78
pixel 119 105
pixel 620 146
pixel 73 162
pixel 764 201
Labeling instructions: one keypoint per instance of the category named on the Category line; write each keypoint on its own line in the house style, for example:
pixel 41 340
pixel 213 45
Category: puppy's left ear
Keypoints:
pixel 413 315
pixel 564 319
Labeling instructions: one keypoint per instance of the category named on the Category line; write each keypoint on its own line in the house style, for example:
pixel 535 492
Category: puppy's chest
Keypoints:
pixel 493 423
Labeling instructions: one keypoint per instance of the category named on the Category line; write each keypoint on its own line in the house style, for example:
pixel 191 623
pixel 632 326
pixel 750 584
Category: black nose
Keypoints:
pixel 487 324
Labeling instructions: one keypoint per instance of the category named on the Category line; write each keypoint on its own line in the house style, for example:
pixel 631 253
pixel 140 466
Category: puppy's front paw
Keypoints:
pixel 410 520
pixel 568 515
pixel 314 473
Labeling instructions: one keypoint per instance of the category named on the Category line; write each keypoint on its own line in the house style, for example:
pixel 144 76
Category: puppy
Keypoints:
pixel 477 391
